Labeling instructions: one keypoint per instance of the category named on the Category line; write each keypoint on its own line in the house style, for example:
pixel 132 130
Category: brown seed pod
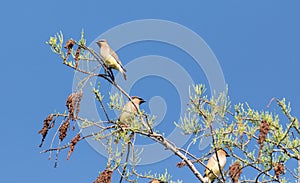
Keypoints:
pixel 235 172
pixel 263 131
pixel 70 103
pixel 77 54
pixel 104 177
pixel 78 100
pixel 63 130
pixel 46 126
pixel 73 104
pixel 69 44
pixel 72 145
pixel 180 164
pixel 278 169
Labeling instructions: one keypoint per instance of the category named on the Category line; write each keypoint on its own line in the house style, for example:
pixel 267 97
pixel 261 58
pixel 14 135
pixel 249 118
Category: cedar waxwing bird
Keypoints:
pixel 213 165
pixel 130 111
pixel 110 58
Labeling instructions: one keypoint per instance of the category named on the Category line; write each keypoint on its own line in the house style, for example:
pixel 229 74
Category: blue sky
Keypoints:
pixel 256 44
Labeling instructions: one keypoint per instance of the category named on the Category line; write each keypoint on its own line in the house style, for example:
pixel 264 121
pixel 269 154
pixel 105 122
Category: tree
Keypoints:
pixel 259 141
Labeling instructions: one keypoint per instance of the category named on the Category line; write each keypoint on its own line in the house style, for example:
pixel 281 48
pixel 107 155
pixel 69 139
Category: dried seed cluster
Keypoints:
pixel 69 45
pixel 235 171
pixel 72 145
pixel 70 103
pixel 180 164
pixel 263 131
pixel 278 169
pixel 73 104
pixel 78 100
pixel 77 54
pixel 46 126
pixel 104 177
pixel 63 130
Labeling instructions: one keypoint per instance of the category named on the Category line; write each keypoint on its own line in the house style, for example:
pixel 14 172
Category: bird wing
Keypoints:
pixel 213 165
pixel 113 53
pixel 128 112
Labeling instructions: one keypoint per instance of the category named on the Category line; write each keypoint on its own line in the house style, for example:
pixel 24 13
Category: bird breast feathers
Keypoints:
pixel 222 159
pixel 111 62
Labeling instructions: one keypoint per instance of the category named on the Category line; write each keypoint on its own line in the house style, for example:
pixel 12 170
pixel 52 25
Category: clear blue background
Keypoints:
pixel 256 43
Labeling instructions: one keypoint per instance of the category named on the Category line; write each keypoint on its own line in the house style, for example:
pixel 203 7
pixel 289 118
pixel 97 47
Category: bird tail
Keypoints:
pixel 123 73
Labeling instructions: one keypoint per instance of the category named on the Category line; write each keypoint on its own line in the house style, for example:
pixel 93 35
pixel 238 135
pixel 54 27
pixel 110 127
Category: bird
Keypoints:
pixel 212 165
pixel 110 58
pixel 129 111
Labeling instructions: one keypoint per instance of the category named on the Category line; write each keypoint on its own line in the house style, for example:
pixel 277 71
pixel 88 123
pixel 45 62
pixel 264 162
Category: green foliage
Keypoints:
pixel 55 46
pixel 239 131
pixel 257 139
pixel 116 101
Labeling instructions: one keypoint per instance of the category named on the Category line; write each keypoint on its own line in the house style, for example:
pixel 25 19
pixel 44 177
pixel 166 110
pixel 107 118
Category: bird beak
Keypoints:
pixel 98 43
pixel 143 101
pixel 227 155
